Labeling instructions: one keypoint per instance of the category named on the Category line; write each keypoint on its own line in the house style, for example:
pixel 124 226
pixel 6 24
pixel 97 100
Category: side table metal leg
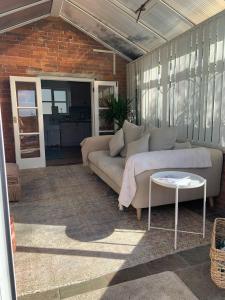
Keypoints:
pixel 176 219
pixel 149 203
pixel 204 210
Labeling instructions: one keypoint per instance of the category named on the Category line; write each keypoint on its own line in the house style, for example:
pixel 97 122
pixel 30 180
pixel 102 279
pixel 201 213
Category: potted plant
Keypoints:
pixel 119 110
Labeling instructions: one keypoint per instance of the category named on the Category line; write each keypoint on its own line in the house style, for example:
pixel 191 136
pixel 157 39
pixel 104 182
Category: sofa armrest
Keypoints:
pixel 94 143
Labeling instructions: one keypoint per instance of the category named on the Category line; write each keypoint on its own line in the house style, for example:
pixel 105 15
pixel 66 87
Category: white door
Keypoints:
pixel 102 91
pixel 28 122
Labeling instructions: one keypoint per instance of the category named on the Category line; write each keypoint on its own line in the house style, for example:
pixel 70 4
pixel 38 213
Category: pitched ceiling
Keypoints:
pixel 114 22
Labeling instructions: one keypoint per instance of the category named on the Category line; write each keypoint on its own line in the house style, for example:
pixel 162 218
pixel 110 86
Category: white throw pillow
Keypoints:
pixel 162 138
pixel 183 145
pixel 116 143
pixel 132 133
pixel 138 146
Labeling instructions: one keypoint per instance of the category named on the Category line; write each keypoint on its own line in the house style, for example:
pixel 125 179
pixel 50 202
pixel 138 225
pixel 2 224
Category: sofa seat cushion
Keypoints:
pixel 184 145
pixel 113 167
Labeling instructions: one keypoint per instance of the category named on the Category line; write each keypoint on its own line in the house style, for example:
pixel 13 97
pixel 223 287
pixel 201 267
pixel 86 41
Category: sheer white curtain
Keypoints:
pixel 182 84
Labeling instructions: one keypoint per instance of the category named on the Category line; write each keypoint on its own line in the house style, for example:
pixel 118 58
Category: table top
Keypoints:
pixel 177 179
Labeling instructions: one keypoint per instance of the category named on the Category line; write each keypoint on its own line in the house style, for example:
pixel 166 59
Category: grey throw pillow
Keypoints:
pixel 132 133
pixel 162 138
pixel 184 145
pixel 116 143
pixel 138 146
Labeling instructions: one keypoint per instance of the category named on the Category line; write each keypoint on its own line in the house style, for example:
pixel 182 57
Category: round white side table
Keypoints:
pixel 177 180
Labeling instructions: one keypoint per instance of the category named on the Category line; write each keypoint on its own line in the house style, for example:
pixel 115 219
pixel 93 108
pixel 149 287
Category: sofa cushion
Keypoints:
pixel 116 143
pixel 138 146
pixel 162 138
pixel 131 133
pixel 184 145
pixel 113 167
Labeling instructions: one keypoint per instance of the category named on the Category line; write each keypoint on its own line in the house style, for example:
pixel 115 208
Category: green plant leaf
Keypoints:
pixel 118 110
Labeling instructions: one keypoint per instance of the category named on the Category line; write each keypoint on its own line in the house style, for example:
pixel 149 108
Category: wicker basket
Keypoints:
pixel 218 256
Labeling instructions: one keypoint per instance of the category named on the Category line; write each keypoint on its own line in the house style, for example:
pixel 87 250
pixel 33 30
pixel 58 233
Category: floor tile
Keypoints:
pixel 196 255
pixel 197 278
pixel 48 295
pixel 168 263
pixel 104 281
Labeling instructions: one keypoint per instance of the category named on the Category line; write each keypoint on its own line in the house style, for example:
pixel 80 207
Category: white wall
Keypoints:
pixel 182 84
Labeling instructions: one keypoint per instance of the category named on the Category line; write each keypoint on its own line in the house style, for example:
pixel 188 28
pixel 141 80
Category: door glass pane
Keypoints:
pixel 26 94
pixel 104 92
pixel 60 96
pixel 103 123
pixel 47 108
pixel 28 120
pixel 62 108
pixel 29 146
pixel 46 95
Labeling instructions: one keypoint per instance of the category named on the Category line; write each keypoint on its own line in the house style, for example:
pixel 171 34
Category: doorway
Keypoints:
pixel 52 115
pixel 67 119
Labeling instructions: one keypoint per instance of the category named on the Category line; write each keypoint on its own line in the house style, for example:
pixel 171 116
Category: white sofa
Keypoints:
pixel 95 152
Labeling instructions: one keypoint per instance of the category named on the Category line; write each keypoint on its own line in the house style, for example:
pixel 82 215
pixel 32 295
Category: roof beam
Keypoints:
pixel 23 8
pixel 96 38
pixel 133 17
pixel 56 7
pixel 24 23
pixel 144 50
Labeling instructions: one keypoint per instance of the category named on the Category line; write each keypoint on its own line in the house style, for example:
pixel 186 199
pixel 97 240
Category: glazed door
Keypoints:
pixel 102 91
pixel 28 122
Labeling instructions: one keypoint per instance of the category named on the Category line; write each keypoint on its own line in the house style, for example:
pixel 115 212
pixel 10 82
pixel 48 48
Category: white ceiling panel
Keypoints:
pixel 132 4
pixel 165 21
pixel 7 5
pixel 197 10
pixel 121 23
pixel 20 16
pixel 88 24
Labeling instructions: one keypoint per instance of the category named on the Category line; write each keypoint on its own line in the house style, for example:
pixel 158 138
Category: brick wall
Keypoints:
pixel 50 46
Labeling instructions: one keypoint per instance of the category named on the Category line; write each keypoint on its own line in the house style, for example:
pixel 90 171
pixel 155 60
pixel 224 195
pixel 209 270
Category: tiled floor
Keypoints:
pixel 192 267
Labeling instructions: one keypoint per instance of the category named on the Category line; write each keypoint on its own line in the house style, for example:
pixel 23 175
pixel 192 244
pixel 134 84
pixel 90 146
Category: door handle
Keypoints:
pixel 14 119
